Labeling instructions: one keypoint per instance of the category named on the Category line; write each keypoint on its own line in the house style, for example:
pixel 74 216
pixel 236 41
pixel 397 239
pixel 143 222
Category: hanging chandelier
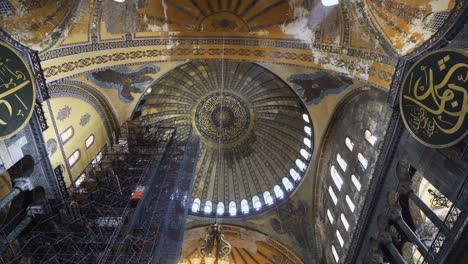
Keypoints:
pixel 214 249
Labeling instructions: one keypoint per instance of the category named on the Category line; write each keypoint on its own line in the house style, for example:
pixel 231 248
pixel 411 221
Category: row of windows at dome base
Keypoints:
pixel 268 200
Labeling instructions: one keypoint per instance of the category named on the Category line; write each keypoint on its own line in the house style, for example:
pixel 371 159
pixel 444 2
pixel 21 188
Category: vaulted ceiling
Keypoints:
pixel 160 60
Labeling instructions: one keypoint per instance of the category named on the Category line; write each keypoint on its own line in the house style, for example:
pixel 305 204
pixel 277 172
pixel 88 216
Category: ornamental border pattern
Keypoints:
pixel 154 53
pixel 232 41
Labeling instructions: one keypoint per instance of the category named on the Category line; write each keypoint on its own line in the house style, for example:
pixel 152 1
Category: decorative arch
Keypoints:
pixel 94 98
pixel 406 19
pixel 363 109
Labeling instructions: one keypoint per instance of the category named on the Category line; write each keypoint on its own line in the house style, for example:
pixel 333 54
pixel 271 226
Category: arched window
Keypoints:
pixel 332 195
pixel 208 207
pixel 306 118
pixel 345 222
pixel 336 178
pixel 196 205
pixel 294 175
pixel 278 192
pixel 340 238
pixel 232 208
pixel 356 182
pixel 66 135
pixel 220 208
pixel 287 184
pixel 89 141
pixel 308 130
pixel 256 202
pixel 305 154
pixel 330 216
pixel 329 2
pixel 300 165
pixel 307 142
pixel 350 203
pixel 335 254
pixel 245 206
pixel 98 158
pixel 73 159
pixel 349 144
pixel 267 198
pixel 362 160
pixel 370 137
pixel 341 162
pixel 80 180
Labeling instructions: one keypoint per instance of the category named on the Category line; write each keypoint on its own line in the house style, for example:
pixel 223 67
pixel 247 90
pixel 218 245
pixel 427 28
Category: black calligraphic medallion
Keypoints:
pixel 434 98
pixel 17 92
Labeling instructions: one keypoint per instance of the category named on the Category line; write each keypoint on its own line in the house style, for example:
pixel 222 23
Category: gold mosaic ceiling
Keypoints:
pixel 214 16
pixel 253 132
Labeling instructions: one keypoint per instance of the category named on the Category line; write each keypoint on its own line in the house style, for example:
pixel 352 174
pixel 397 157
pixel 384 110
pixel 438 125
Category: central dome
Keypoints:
pixel 255 133
pixel 222 118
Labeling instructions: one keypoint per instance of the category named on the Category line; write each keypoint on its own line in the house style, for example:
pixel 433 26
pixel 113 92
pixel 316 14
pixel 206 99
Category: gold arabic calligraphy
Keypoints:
pixel 11 81
pixel 441 105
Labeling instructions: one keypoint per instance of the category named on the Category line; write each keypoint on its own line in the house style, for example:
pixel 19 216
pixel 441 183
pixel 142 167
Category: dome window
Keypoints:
pixel 256 202
pixel 245 206
pixel 294 175
pixel 208 207
pixel 267 198
pixel 232 208
pixel 305 154
pixel 287 184
pixel 307 142
pixel 196 205
pixel 220 208
pixel 306 118
pixel 278 192
pixel 308 130
pixel 300 164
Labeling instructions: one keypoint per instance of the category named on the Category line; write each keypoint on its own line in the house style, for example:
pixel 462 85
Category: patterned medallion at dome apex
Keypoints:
pixel 256 135
pixel 222 118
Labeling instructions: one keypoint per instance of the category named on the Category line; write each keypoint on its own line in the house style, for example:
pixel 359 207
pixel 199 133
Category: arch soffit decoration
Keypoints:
pixel 94 98
pixel 455 14
pixel 323 145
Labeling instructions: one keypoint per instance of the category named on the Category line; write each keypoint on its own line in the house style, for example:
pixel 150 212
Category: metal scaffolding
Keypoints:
pixel 102 222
